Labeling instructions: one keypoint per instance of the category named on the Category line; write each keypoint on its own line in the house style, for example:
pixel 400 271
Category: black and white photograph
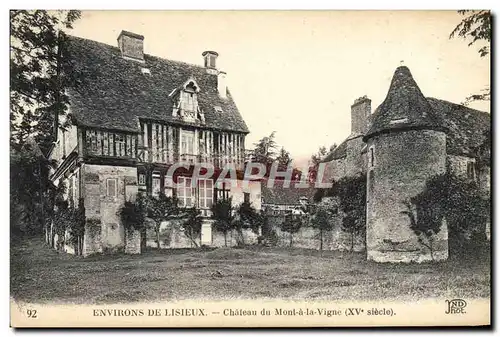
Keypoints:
pixel 250 168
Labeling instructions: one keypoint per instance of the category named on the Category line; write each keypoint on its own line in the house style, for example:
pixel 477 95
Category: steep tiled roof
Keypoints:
pixel 279 195
pixel 467 128
pixel 404 107
pixel 339 152
pixel 111 92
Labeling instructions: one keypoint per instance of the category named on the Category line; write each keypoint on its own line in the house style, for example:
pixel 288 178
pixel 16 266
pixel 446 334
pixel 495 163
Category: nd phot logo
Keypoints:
pixel 456 306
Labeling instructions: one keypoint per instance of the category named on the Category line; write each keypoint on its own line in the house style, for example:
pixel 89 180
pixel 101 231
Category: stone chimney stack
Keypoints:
pixel 360 115
pixel 221 84
pixel 131 45
pixel 210 58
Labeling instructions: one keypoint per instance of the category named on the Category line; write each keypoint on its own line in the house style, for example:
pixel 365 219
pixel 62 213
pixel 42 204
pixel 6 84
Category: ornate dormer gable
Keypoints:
pixel 185 100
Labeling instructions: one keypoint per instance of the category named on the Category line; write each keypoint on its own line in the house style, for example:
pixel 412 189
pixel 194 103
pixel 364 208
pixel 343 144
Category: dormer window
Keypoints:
pixel 186 101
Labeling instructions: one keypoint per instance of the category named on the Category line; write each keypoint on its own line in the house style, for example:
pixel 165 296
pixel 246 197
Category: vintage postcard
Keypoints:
pixel 250 168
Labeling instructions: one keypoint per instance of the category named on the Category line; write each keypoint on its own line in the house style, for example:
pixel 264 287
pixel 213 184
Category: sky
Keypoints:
pixel 298 72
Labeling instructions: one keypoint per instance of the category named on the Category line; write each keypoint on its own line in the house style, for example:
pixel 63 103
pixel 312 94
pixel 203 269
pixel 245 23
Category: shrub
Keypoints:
pixel 192 225
pixel 455 199
pixel 133 214
pixel 222 213
pixel 292 225
pixel 351 195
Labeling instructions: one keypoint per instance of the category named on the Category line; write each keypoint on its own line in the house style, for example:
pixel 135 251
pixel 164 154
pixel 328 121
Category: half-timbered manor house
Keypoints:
pixel 131 117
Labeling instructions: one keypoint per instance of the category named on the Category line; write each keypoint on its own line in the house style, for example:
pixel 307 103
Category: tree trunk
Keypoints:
pixel 158 237
pixel 241 239
pixel 321 239
pixel 143 238
pixel 291 239
pixel 431 249
pixel 352 241
pixel 193 240
pixel 225 239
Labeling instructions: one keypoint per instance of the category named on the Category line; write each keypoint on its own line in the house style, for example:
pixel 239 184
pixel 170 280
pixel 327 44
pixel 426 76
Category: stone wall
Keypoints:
pixel 458 165
pixel 355 162
pixel 233 238
pixel 309 237
pixel 92 238
pixel 404 161
pixel 172 236
pixel 67 141
pixel 335 170
pixel 104 208
pixel 485 181
pixel 133 242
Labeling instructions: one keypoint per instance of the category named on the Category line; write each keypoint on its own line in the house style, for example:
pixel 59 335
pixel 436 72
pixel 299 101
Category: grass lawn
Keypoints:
pixel 40 274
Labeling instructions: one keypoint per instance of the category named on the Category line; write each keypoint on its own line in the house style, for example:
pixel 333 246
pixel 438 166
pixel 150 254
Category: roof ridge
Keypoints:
pixel 145 54
pixel 459 104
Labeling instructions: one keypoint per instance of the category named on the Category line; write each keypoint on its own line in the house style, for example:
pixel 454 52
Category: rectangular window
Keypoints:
pixel 156 187
pixel 222 191
pixel 142 179
pixel 471 170
pixel 74 185
pixel 111 144
pixel 187 142
pixel 168 186
pixel 205 193
pixel 188 101
pixel 94 141
pixel 111 187
pixel 169 192
pixel 91 141
pixel 211 61
pixel 246 197
pixel 372 157
pixel 128 142
pixel 120 145
pixel 371 182
pixel 185 192
pixel 105 147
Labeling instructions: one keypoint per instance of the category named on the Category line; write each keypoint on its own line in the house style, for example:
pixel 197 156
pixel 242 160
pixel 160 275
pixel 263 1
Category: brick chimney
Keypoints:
pixel 360 115
pixel 131 45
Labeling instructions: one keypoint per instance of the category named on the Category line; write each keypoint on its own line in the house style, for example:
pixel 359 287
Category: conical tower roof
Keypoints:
pixel 404 107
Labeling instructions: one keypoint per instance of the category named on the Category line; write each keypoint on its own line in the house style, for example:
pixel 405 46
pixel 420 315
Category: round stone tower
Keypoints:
pixel 406 145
